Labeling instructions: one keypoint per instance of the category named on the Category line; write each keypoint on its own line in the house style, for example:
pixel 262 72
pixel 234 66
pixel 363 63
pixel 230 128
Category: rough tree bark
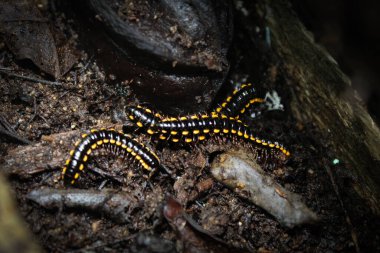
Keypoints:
pixel 322 94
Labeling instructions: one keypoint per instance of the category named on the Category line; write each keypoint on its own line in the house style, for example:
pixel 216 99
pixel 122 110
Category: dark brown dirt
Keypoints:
pixel 89 96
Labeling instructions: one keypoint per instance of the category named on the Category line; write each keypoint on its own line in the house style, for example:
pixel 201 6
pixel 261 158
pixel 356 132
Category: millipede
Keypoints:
pixel 239 101
pixel 195 127
pixel 118 142
pixel 223 120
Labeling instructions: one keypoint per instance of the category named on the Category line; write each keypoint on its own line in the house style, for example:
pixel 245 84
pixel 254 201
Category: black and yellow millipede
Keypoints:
pixel 190 128
pixel 123 145
pixel 195 127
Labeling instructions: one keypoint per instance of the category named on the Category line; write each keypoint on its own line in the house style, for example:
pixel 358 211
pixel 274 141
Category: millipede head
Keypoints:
pixel 141 116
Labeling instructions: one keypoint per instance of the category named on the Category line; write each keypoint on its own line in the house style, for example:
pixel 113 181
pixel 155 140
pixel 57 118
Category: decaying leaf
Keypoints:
pixel 28 35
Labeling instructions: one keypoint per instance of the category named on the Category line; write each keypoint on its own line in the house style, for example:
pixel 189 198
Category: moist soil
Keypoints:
pixel 92 96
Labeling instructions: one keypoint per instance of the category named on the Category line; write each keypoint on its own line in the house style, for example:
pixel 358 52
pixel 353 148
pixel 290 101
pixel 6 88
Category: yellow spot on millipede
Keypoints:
pixel 150 131
pixel 196 131
pixel 93 146
pixel 201 138
pixel 188 140
pixel 139 124
pixel 85 158
pixel 216 130
pixel 185 132
pixel 206 131
pixel 100 142
pixel 112 141
pixel 72 152
pixel 225 131
pixel 81 166
pixel 76 176
pixel 260 100
pixel 173 132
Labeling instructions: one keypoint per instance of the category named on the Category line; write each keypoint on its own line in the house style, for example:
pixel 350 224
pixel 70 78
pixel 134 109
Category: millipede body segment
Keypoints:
pixel 239 101
pixel 195 127
pixel 120 143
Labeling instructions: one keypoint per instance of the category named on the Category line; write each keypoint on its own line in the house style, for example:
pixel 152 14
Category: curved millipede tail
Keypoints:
pixel 120 143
